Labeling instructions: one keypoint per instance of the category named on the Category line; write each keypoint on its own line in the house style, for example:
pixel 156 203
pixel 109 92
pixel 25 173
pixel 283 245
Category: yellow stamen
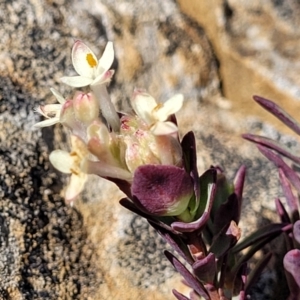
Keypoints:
pixel 91 60
pixel 75 172
pixel 158 106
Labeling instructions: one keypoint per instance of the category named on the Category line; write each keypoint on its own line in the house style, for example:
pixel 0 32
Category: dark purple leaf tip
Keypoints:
pixel 162 190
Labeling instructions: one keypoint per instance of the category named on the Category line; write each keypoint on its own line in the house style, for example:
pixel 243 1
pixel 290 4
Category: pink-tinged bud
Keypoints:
pixel 141 148
pixel 102 151
pixel 86 108
pixel 108 76
pixel 162 190
pixel 67 116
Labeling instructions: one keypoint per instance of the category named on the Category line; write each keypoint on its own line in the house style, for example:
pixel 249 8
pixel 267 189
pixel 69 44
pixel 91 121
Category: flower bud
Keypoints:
pixel 67 117
pixel 104 145
pixel 86 108
pixel 162 190
pixel 141 148
pixel 169 150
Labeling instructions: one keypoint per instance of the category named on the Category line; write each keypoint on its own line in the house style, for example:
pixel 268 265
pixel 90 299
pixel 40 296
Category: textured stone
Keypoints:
pixel 49 250
pixel 256 44
pixel 98 250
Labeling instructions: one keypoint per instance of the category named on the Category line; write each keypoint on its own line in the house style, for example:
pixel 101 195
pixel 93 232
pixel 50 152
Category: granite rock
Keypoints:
pixel 96 249
pixel 256 44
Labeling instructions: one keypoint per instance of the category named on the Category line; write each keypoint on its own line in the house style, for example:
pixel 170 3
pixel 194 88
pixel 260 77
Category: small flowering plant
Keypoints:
pixel 110 144
pixel 143 154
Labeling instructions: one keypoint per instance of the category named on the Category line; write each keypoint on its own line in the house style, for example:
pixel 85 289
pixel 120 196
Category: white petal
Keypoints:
pixel 79 147
pixel 107 58
pixel 162 128
pixel 170 107
pixel 50 110
pixel 104 77
pixel 133 157
pixel 143 104
pixel 40 111
pixel 107 107
pixel 77 81
pixel 46 123
pixel 61 160
pixel 105 170
pixel 84 60
pixel 75 186
pixel 58 96
pixel 102 134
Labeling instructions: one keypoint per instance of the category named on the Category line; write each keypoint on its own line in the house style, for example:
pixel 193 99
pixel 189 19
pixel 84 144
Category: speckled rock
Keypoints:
pixel 257 46
pixel 98 250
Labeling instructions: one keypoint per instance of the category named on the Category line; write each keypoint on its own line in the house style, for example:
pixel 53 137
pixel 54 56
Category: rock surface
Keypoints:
pixel 97 250
pixel 256 45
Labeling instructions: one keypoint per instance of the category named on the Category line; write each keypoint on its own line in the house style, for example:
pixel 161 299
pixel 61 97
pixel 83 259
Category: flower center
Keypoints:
pixel 75 168
pixel 91 61
pixel 158 106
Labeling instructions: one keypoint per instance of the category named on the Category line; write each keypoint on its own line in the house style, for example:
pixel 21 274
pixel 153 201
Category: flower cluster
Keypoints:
pixel 115 145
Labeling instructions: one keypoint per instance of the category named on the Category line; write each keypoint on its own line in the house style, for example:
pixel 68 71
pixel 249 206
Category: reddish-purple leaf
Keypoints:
pixel 279 162
pixel 179 296
pixel 225 240
pixel 188 145
pixel 292 201
pixel 296 232
pixel 271 144
pixel 213 292
pixel 268 231
pixel 227 212
pixel 192 226
pixel 258 244
pixel 279 113
pixel 281 211
pixel 291 263
pixel 175 242
pixel 208 190
pixel 123 185
pixel 161 190
pixel 196 285
pixel 198 224
pixel 238 182
pixel 125 202
pixel 205 269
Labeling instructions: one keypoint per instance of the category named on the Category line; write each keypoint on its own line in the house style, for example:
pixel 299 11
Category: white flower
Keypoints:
pixel 71 163
pixel 156 114
pixel 51 111
pixel 91 71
